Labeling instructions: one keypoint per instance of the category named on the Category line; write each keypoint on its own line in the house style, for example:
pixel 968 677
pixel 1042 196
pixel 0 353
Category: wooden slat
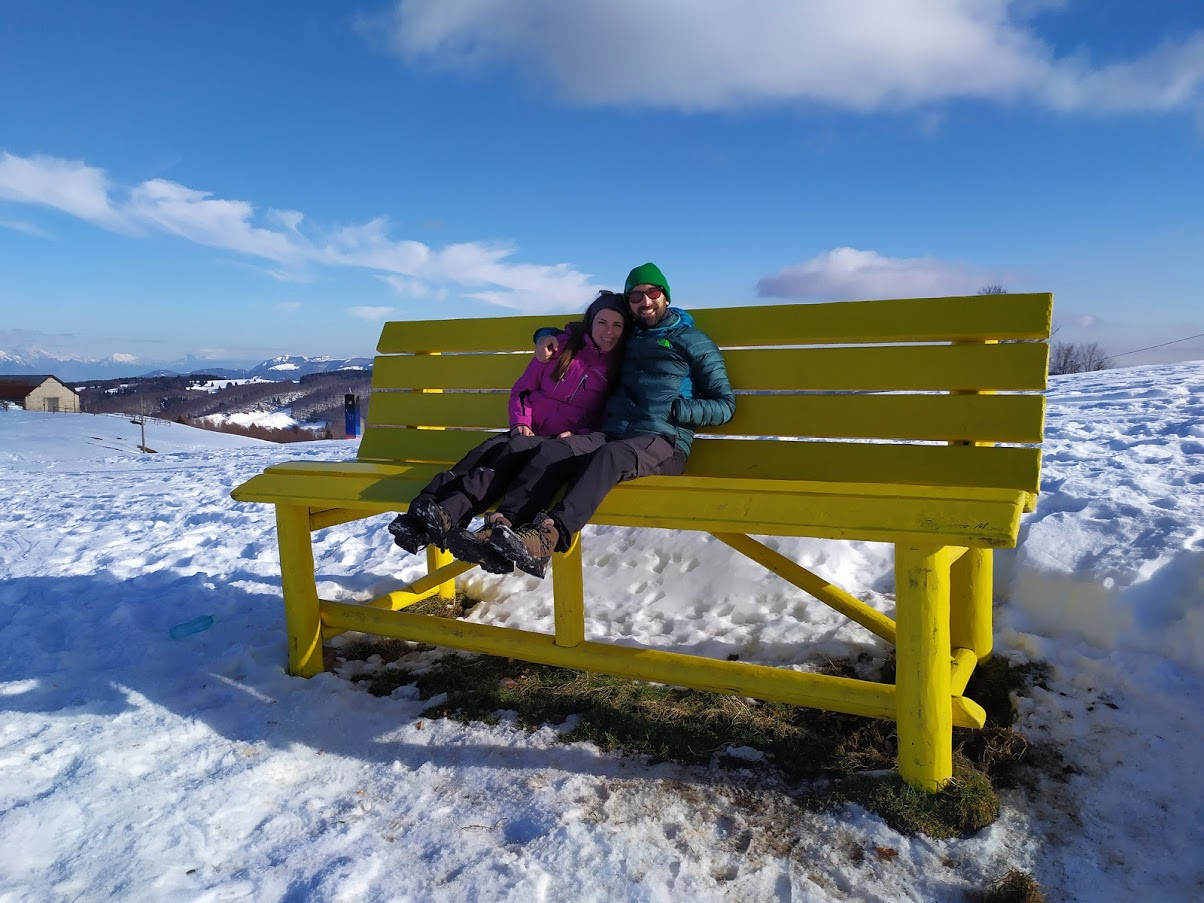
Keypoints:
pixel 1004 467
pixel 976 523
pixel 475 334
pixel 973 418
pixel 405 470
pixel 330 491
pixel 448 371
pixel 367 470
pixel 974 318
pixel 447 446
pixel 1007 367
pixel 967 466
pixel 454 409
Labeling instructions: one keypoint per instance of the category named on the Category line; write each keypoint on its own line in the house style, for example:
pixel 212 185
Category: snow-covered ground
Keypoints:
pixel 138 767
pixel 281 419
pixel 216 385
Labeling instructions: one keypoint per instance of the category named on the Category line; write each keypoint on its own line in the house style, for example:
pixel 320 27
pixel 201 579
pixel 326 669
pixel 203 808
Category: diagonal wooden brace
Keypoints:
pixel 849 606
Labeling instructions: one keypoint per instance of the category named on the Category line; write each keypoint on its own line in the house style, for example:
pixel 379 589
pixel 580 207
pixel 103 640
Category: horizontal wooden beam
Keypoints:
pixel 836 694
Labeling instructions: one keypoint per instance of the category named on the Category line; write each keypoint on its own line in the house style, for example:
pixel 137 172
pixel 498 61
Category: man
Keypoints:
pixel 673 381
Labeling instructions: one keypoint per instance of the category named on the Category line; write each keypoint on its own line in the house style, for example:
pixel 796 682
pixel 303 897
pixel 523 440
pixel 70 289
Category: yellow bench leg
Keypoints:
pixel 922 684
pixel 302 621
pixel 568 591
pixel 435 559
pixel 971 584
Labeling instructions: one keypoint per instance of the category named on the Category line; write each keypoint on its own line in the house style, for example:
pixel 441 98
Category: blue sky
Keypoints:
pixel 239 180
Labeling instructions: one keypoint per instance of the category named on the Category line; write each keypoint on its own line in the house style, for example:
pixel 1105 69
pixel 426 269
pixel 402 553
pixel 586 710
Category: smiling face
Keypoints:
pixel 647 304
pixel 607 329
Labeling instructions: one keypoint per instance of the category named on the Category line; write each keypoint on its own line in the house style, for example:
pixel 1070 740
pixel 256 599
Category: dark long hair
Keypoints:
pixel 584 327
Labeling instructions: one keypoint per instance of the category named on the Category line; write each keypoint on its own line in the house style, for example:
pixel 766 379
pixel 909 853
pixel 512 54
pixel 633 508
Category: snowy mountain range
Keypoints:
pixel 31 359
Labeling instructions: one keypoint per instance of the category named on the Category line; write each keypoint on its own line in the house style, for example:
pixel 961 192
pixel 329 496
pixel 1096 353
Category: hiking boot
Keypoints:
pixel 409 533
pixel 475 548
pixel 530 547
pixel 435 519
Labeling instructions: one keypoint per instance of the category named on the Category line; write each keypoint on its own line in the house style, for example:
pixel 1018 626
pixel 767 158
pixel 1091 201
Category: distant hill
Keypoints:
pixel 285 367
pixel 306 405
pixel 31 359
pixel 295 367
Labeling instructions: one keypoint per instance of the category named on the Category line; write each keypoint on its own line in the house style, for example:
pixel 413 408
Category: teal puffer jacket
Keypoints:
pixel 673 381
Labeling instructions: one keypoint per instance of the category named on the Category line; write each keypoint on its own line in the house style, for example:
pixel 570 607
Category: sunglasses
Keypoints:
pixel 652 294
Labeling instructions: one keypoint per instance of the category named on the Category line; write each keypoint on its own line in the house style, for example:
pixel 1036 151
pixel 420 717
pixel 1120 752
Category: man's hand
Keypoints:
pixel 546 348
pixel 522 430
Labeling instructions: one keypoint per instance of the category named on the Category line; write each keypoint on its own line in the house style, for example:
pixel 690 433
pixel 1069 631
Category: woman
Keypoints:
pixel 563 396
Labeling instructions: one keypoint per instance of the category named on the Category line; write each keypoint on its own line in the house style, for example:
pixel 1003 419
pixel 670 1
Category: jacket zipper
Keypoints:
pixel 579 385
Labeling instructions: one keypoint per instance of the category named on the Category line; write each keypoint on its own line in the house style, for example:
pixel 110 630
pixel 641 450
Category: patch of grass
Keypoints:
pixel 966 805
pixel 444 608
pixel 663 723
pixel 1014 887
pixel 855 757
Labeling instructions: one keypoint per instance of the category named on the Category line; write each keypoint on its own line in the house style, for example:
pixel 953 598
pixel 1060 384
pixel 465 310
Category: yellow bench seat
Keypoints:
pixel 959 516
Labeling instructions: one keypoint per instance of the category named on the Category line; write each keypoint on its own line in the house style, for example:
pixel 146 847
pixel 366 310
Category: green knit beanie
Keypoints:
pixel 647 274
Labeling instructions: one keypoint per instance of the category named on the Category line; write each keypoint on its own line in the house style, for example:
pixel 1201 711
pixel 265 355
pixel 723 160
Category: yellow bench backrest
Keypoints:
pixel 901 391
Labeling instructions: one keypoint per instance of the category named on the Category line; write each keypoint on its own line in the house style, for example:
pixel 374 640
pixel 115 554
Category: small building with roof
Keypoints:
pixel 39 392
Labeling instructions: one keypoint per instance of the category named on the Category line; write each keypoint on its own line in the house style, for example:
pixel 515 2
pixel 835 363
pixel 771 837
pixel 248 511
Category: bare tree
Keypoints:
pixel 1066 357
pixel 1077 357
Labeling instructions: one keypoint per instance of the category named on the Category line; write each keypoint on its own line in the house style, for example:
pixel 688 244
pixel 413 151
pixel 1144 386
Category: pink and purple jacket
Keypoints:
pixel 573 404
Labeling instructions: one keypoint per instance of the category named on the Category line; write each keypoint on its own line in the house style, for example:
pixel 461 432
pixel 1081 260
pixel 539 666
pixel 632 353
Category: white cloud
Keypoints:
pixel 67 185
pixel 724 54
pixel 120 357
pixel 158 205
pixel 848 273
pixel 27 228
pixel 197 216
pixel 372 313
pixel 294 276
pixel 289 306
pixel 406 287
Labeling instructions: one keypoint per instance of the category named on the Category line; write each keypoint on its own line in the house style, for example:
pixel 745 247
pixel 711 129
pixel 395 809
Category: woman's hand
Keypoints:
pixel 521 430
pixel 546 348
pixel 564 435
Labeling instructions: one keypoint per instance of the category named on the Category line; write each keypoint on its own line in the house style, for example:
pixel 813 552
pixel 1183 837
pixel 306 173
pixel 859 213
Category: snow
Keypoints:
pixel 136 767
pixel 214 385
pixel 279 419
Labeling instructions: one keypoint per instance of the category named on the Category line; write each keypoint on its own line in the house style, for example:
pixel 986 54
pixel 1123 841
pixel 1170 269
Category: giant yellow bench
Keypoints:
pixel 915 422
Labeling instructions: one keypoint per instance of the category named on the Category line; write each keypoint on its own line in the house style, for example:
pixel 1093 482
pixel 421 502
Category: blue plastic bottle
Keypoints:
pixel 188 628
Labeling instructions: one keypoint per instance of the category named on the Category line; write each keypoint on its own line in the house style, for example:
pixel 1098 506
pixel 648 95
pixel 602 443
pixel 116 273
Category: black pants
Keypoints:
pixel 478 479
pixel 592 465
